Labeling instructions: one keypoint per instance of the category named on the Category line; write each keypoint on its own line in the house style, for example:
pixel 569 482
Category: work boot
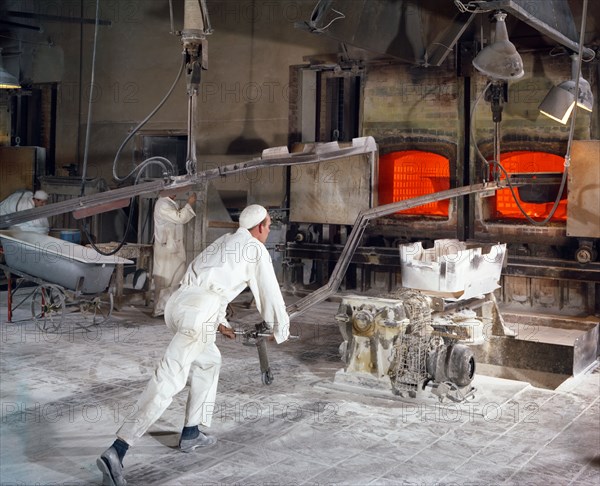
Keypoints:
pixel 203 440
pixel 111 468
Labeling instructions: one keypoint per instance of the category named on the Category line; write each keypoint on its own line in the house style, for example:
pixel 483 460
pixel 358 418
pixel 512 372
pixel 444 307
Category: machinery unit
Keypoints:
pixel 400 343
pixel 420 337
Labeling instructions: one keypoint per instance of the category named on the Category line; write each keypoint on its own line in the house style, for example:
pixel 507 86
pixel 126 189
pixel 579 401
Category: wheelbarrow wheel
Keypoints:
pixel 48 307
pixel 96 311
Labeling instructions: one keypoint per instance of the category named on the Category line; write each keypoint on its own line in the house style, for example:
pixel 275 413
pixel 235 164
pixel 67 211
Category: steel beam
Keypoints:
pixel 517 266
pixel 552 268
pixel 272 157
pixel 514 8
pixel 444 44
pixel 57 18
pixel 358 230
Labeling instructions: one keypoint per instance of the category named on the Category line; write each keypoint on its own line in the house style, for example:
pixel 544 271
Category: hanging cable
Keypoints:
pixel 157 160
pixel 340 16
pixel 147 162
pixel 470 7
pixel 121 243
pixel 89 114
pixel 171 16
pixel 499 168
pixel 577 78
pixel 486 164
pixel 164 163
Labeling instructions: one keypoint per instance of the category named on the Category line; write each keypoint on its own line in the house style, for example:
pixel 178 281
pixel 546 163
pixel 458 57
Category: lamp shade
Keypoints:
pixel 558 104
pixel 500 60
pixel 585 97
pixel 560 100
pixel 7 80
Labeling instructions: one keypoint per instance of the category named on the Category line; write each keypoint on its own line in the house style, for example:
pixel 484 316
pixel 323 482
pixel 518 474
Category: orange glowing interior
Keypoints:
pixel 528 162
pixel 412 173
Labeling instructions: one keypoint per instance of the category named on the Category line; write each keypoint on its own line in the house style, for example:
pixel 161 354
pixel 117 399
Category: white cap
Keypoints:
pixel 252 215
pixel 41 195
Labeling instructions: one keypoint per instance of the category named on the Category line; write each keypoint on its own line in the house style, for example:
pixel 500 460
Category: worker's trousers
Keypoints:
pixel 191 315
pixel 169 269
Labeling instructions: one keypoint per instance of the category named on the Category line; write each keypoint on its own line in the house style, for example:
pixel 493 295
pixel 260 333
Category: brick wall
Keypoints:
pixel 401 101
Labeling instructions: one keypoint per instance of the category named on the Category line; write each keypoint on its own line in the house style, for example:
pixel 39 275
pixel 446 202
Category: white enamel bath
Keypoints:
pixel 58 261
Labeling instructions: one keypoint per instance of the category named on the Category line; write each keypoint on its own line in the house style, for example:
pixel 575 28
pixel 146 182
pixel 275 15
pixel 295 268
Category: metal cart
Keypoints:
pixel 48 301
pixel 66 275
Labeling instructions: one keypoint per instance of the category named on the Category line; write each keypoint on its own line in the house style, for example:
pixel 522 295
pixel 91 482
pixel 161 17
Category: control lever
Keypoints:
pixel 259 336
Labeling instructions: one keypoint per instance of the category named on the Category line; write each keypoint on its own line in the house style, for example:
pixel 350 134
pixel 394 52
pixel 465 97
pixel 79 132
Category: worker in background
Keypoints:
pixel 195 313
pixel 169 250
pixel 22 200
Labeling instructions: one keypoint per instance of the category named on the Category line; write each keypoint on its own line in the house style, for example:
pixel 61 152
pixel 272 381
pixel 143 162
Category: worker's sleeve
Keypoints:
pixel 18 201
pixel 5 207
pixel 171 214
pixel 222 319
pixel 266 291
pixel 38 225
pixel 24 203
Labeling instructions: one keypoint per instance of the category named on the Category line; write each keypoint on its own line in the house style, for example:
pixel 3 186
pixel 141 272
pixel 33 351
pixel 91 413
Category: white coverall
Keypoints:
pixel 169 250
pixel 193 313
pixel 20 201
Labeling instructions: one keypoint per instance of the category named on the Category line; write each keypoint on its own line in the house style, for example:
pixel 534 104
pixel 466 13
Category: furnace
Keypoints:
pixel 537 201
pixel 412 173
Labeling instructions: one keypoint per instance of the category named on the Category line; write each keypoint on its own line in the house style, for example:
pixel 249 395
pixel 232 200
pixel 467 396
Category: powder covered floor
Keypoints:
pixel 64 395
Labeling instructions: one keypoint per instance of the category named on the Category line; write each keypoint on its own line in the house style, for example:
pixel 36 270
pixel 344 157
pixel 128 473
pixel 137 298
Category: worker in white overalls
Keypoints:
pixel 195 313
pixel 22 200
pixel 169 251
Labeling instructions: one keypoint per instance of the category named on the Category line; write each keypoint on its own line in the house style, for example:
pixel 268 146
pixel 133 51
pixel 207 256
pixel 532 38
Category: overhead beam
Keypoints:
pixel 56 18
pixel 272 157
pixel 21 26
pixel 513 7
pixel 444 44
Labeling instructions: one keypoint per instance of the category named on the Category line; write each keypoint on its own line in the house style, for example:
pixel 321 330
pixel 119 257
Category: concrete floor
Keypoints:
pixel 64 394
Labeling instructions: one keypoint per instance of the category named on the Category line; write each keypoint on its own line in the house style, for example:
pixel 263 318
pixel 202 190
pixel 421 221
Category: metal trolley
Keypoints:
pixel 48 301
pixel 66 276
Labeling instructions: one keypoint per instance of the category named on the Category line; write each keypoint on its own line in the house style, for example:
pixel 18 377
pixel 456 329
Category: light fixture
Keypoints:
pixel 7 80
pixel 500 61
pixel 560 100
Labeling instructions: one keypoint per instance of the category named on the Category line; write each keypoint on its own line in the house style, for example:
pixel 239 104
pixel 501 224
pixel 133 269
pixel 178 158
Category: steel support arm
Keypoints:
pixel 358 229
pixel 272 157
